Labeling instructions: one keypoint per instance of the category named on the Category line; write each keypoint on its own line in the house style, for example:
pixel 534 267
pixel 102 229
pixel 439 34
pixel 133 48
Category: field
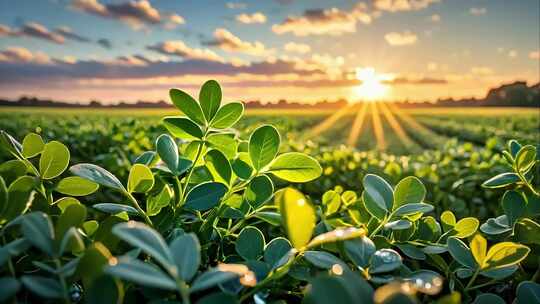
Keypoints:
pixel 360 148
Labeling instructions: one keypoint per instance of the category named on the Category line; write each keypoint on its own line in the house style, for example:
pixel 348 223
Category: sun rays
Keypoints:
pixel 389 124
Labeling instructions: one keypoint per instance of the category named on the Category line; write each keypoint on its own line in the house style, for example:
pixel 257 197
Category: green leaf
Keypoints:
pixel 97 175
pixel 409 190
pixel 183 128
pixel 32 145
pixel 488 298
pixel 210 98
pixel 527 231
pixel 259 191
pixel 20 196
pixel 412 252
pixel 64 202
pixel 263 146
pixel 188 106
pixel 142 273
pixel 360 250
pixel 275 250
pixel 295 167
pixel 140 179
pixel 298 216
pixel 224 142
pixel 527 292
pixel 76 186
pixel 12 169
pixel 218 298
pixel 242 166
pixel 211 278
pixel 186 252
pixel 379 191
pixel 73 216
pixel 71 241
pixel 205 196
pixel 168 152
pixel 10 144
pixel 448 220
pixel 385 260
pixel 92 262
pixel 54 160
pixel 398 225
pixel 466 227
pixel 479 249
pixel 219 166
pixel 461 253
pixel 323 259
pixel 336 235
pixel 525 158
pixel 410 209
pixel 250 243
pixel 501 180
pixel 227 115
pixel 514 206
pixel 115 208
pixel 141 236
pixel 42 286
pixel 332 201
pixel 10 287
pixel 505 254
pixel 146 158
pixel 372 207
pixel 105 289
pixel 272 218
pixel 155 203
pixel 38 230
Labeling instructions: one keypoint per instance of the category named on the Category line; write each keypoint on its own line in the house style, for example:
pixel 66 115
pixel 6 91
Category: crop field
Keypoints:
pixel 281 206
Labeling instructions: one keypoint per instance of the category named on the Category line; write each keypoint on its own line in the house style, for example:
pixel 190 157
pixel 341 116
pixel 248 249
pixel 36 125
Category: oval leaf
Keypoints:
pixel 263 146
pixel 54 160
pixel 296 167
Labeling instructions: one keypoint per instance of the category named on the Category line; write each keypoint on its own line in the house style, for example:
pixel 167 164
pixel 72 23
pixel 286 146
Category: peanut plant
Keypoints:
pixel 210 217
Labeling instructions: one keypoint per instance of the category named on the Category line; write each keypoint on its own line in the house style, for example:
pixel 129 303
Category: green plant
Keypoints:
pixel 209 217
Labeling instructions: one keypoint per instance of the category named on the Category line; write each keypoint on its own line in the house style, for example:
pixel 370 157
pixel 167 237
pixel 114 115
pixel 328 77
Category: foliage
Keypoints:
pixel 210 216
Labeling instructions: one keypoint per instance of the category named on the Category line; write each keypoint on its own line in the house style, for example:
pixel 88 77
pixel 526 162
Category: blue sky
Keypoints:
pixel 301 50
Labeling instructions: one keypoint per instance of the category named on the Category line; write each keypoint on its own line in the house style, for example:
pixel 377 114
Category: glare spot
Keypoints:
pixel 337 269
pixel 113 261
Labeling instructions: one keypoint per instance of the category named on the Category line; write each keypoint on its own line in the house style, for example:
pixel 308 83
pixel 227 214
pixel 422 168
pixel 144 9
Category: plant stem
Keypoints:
pixel 381 225
pixel 483 285
pixel 184 291
pixel 62 281
pixel 177 192
pixel 471 281
pixel 190 172
pixel 139 209
pixel 529 186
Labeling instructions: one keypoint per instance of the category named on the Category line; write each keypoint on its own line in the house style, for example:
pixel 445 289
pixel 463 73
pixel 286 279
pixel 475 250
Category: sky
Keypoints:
pixel 122 50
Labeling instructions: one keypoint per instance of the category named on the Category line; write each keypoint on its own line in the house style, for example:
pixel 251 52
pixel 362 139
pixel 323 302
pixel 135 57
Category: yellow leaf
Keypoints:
pixel 298 216
pixel 479 248
pixel 505 254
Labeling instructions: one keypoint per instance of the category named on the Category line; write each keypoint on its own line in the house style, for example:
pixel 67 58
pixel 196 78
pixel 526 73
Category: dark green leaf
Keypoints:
pixel 97 175
pixel 379 191
pixel 142 273
pixel 187 105
pixel 186 252
pixel 259 191
pixel 205 196
pixel 42 286
pixel 227 115
pixel 210 98
pixel 501 180
pixel 250 243
pixel 183 128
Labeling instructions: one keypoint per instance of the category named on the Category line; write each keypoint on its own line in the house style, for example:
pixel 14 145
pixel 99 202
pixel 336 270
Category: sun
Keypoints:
pixel 372 87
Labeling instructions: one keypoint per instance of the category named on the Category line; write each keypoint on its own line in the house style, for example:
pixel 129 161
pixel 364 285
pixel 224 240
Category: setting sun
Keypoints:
pixel 372 87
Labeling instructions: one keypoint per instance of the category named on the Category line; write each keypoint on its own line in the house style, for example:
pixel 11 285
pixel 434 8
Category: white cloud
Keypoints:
pixel 512 53
pixel 257 17
pixel 400 39
pixel 180 49
pixel 294 47
pixel 402 5
pixel 20 54
pixel 227 41
pixel 331 21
